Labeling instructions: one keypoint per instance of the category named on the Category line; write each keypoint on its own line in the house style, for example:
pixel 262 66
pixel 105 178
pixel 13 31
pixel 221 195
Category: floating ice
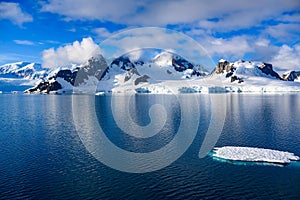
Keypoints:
pixel 252 154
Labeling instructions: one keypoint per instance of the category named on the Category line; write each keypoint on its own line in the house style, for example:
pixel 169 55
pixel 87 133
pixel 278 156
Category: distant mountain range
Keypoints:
pixel 164 73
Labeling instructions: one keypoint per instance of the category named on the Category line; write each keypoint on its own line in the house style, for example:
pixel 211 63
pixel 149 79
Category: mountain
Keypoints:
pixel 122 71
pixel 19 76
pixel 79 77
pixel 237 71
pixel 162 73
pixel 248 76
pixel 24 70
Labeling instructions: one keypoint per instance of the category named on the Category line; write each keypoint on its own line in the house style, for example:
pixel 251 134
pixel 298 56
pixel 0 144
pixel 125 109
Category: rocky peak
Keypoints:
pixel 123 62
pixel 224 66
pixel 291 76
pixel 267 69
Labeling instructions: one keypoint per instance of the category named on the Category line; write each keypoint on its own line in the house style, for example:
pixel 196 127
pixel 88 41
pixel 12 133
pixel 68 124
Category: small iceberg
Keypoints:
pixel 253 154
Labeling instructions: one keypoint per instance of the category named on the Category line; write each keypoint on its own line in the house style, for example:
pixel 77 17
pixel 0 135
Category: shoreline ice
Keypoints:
pixel 254 154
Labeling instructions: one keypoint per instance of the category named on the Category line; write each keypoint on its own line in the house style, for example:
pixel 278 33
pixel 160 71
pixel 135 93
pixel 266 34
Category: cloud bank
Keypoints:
pixel 226 29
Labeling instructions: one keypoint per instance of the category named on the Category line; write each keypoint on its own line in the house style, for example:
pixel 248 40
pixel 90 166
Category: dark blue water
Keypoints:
pixel 42 156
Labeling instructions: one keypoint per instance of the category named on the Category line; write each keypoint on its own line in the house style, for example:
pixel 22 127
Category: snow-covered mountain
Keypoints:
pixel 163 73
pixel 122 72
pixel 20 76
pixel 76 78
pixel 24 70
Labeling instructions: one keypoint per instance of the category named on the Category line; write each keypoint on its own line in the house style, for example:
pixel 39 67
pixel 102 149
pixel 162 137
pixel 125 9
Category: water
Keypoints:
pixel 42 156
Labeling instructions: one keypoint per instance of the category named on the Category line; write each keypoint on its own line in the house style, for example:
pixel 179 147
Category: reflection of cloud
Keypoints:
pixel 13 12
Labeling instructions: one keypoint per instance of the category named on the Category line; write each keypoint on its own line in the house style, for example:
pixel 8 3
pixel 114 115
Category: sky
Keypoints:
pixel 58 32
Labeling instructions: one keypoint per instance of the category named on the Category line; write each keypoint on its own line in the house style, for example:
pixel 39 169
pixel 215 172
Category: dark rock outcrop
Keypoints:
pixel 141 79
pixel 224 66
pixel 235 78
pixel 130 73
pixel 46 87
pixel 123 62
pixel 291 76
pixel 267 69
pixel 228 68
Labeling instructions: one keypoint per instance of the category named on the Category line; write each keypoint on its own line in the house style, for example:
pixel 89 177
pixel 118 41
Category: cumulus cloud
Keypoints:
pixel 287 58
pixel 75 53
pixel 13 12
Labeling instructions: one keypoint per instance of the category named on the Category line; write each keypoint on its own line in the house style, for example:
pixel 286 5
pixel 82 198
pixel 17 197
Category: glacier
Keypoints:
pixel 254 154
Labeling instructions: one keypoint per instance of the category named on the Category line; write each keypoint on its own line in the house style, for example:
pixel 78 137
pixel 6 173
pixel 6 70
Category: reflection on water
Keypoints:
pixel 102 148
pixel 42 156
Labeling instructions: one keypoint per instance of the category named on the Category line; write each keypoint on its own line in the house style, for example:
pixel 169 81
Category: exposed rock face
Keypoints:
pixel 224 66
pixel 235 78
pixel 124 63
pixel 291 76
pixel 141 79
pixel 228 68
pixel 130 73
pixel 95 67
pixel 181 65
pixel 46 87
pixel 268 70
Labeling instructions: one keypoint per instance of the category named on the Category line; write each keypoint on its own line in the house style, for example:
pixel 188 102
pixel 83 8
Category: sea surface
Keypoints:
pixel 42 155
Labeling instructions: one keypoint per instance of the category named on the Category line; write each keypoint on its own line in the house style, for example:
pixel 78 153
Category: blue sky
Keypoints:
pixel 43 31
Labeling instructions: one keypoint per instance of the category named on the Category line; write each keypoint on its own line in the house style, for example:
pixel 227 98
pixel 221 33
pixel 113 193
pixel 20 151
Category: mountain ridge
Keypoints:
pixel 125 74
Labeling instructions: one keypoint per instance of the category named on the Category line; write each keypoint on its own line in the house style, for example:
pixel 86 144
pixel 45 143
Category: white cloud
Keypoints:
pixel 262 42
pixel 104 10
pixel 75 53
pixel 284 32
pixel 287 58
pixel 228 15
pixel 24 42
pixel 13 12
pixel 230 48
pixel 102 32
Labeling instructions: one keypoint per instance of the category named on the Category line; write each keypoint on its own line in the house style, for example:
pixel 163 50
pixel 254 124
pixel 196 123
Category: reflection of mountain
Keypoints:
pixel 162 73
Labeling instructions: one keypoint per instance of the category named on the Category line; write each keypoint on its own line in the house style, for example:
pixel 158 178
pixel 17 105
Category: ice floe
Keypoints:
pixel 253 154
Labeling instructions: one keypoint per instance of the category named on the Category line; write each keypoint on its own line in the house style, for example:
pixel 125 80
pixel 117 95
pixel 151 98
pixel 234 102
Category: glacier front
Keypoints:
pixel 253 154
